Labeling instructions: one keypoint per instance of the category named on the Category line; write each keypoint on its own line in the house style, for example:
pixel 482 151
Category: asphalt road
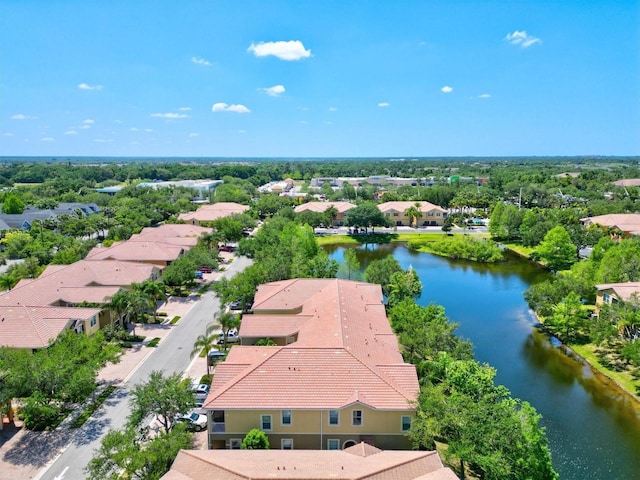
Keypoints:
pixel 172 355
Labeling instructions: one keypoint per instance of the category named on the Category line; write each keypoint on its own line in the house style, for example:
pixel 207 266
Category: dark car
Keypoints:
pixel 226 248
pixel 206 269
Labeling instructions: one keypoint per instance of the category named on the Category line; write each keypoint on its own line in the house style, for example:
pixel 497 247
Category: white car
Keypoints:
pixel 196 420
pixel 232 337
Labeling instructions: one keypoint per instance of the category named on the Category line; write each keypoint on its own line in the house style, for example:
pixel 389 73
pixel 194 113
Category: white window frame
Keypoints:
pixel 282 442
pixel 94 320
pixel 336 442
pixel 282 416
pixel 262 417
pixel 402 424
pixel 235 441
pixel 338 418
pixel 353 418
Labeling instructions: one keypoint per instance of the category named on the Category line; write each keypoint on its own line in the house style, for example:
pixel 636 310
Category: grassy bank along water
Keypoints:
pixel 396 237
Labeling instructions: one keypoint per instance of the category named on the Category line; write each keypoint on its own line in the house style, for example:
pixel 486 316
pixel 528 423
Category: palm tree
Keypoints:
pixel 155 290
pixel 206 342
pixel 413 213
pixel 332 214
pixel 227 322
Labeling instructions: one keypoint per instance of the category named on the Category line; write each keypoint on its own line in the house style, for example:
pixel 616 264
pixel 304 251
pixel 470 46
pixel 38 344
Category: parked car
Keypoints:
pixel 226 248
pixel 215 356
pixel 232 337
pixel 195 420
pixel 206 269
pixel 239 305
pixel 201 389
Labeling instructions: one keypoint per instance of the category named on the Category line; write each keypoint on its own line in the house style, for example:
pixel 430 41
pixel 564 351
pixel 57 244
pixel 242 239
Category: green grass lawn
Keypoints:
pixel 624 379
pixel 381 238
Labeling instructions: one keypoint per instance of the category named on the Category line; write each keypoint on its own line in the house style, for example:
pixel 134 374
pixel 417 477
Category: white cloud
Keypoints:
pixel 7 134
pixel 84 127
pixel 384 104
pixel 86 86
pixel 333 109
pixel 103 140
pixel 446 89
pixel 193 135
pixel 242 132
pixel 47 139
pixel 201 61
pixel 70 132
pixel 185 109
pixel 522 38
pixel 172 116
pixel 303 122
pixel 291 50
pixel 134 129
pixel 274 91
pixel 88 121
pixel 484 95
pixel 148 130
pixel 21 116
pixel 223 107
pixel 328 123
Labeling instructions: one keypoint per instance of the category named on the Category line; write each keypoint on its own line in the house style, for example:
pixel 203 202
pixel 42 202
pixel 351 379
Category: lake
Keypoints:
pixel 592 426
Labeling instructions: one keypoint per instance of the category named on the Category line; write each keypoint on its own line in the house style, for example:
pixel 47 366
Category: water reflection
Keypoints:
pixel 593 427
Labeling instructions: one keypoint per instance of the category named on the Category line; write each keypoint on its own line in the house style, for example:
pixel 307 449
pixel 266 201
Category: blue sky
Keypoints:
pixel 270 78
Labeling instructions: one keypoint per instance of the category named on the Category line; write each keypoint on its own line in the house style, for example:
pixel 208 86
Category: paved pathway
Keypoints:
pixel 32 455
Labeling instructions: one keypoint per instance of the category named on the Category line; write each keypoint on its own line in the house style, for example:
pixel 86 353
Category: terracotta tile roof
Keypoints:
pixel 208 213
pixel 322 207
pixel 624 290
pixel 34 326
pixel 627 222
pixel 348 464
pixel 628 182
pixel 140 251
pixel 345 351
pixel 174 234
pixel 402 206
pixel 83 281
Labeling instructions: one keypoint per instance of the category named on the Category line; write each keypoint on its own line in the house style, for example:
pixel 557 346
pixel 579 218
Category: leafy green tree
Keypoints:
pixel 366 215
pixel 255 440
pixel 163 397
pixel 230 230
pixel 567 317
pixel 496 227
pixel 557 249
pixel 351 265
pixel 227 322
pixel 12 204
pixel 132 454
pixel 402 285
pixel 380 271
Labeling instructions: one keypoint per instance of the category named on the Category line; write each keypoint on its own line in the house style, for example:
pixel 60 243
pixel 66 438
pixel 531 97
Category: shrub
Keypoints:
pixel 39 415
pixel 206 379
pixel 161 314
pixel 84 416
pixel 255 440
pixel 154 342
pixel 175 319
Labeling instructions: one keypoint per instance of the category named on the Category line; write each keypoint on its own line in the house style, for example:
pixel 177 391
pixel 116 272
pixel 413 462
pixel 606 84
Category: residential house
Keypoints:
pixel 153 252
pixel 81 283
pixel 24 220
pixel 627 223
pixel 209 213
pixel 33 327
pixel 431 215
pixel 359 462
pixel 334 379
pixel 609 293
pixel 320 207
pixel 176 234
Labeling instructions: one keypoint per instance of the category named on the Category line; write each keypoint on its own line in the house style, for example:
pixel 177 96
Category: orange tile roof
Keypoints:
pixel 175 234
pixel 402 206
pixel 34 326
pixel 361 462
pixel 208 213
pixel 83 281
pixel 624 290
pixel 322 207
pixel 138 251
pixel 345 351
pixel 627 222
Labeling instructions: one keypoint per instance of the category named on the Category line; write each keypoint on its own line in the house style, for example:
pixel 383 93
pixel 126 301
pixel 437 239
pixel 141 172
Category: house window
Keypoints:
pixel 438 214
pixel 286 417
pixel 356 418
pixel 406 423
pixel 93 321
pixel 334 417
pixel 265 422
pixel 286 444
pixel 606 298
pixel 395 214
pixel 333 444
pixel 431 214
pixel 235 443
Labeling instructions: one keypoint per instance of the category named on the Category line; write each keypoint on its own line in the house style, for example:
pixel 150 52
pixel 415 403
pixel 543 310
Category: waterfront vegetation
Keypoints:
pixel 460 247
